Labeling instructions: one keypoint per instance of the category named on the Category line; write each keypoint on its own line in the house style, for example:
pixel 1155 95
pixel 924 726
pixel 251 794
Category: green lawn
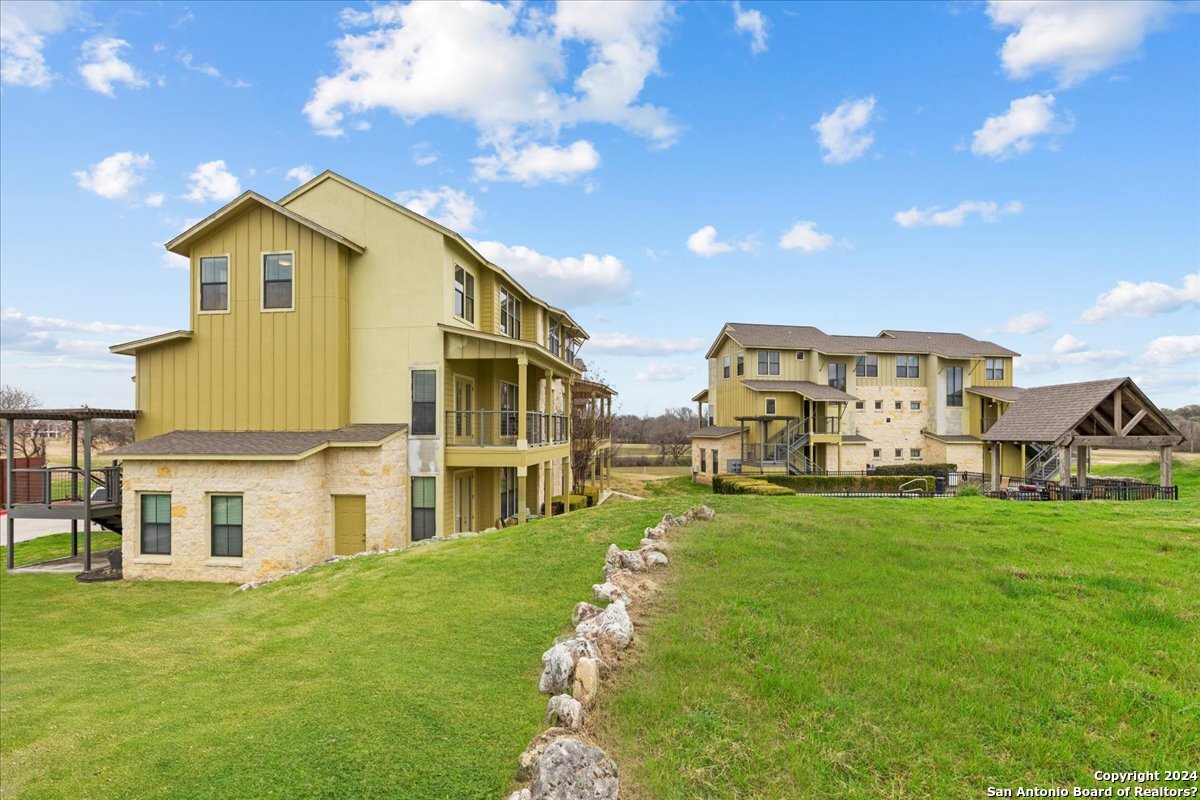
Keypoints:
pixel 804 647
pixel 821 647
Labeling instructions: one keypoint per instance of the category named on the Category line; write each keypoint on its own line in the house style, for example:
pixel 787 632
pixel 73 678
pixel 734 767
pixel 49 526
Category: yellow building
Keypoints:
pixel 341 334
pixel 796 399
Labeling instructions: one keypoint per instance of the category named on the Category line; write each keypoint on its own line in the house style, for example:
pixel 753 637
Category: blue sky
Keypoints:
pixel 1025 172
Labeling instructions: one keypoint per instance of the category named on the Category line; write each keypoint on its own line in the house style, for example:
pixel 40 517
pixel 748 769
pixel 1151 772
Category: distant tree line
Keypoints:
pixel 1187 419
pixel 665 436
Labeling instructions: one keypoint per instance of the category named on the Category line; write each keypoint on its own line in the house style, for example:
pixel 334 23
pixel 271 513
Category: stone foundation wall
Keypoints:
pixel 287 510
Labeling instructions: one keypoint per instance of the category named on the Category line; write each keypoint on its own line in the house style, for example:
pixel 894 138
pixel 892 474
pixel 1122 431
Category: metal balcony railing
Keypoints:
pixel 485 428
pixel 45 486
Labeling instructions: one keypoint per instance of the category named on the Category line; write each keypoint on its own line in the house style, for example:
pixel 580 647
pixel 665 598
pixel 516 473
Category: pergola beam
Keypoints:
pixel 1122 442
pixel 1133 422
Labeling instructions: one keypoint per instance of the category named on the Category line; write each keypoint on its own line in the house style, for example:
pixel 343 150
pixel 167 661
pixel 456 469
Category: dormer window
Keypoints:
pixel 510 314
pixel 464 294
pixel 277 282
pixel 214 283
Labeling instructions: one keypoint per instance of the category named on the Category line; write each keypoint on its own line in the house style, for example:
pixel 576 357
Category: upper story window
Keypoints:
pixel 424 402
pixel 954 386
pixel 464 294
pixel 571 349
pixel 867 366
pixel 994 369
pixel 510 314
pixel 908 367
pixel 725 366
pixel 277 282
pixel 214 283
pixel 837 375
pixel 768 362
pixel 554 339
pixel 741 363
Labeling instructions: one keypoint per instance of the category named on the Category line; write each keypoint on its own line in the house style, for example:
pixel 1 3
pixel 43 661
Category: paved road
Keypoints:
pixel 27 529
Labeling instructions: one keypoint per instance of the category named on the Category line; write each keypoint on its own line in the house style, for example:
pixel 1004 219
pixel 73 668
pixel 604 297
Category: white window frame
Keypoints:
pixel 262 281
pixel 228 284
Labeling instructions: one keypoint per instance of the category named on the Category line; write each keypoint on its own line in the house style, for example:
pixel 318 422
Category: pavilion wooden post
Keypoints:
pixel 996 466
pixel 87 495
pixel 1164 467
pixel 1064 466
pixel 1081 459
pixel 74 483
pixel 8 489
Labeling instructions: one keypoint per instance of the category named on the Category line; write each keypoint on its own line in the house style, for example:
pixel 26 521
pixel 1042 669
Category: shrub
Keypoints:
pixel 915 469
pixel 969 490
pixel 745 484
pixel 846 483
pixel 578 501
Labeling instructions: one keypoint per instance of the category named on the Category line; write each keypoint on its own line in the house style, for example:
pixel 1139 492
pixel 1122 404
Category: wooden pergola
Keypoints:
pixel 1075 417
pixel 76 506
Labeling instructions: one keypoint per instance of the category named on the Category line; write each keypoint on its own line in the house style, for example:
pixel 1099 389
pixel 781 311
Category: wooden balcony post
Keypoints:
pixel 566 484
pixel 522 402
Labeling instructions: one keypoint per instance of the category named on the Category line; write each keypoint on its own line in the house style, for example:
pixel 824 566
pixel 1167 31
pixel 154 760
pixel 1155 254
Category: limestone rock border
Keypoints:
pixel 562 761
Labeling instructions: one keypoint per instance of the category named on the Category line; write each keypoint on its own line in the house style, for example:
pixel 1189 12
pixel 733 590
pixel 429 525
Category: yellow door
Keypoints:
pixel 349 524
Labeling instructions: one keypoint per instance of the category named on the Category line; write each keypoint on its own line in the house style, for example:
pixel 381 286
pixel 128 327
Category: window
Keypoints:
pixel 277 282
pixel 227 526
pixel 770 405
pixel 741 363
pixel 914 405
pixel 879 405
pixel 715 470
pixel 464 294
pixel 725 367
pixel 954 386
pixel 994 369
pixel 703 460
pixel 424 508
pixel 876 453
pixel 508 409
pixel 915 452
pixel 908 367
pixel 837 375
pixel 899 406
pixel 860 405
pixel 510 314
pixel 899 452
pixel 156 524
pixel 866 366
pixel 424 402
pixel 554 339
pixel 508 492
pixel 800 356
pixel 768 362
pixel 571 349
pixel 214 283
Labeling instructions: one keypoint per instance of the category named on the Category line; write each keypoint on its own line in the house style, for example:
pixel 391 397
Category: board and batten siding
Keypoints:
pixel 250 369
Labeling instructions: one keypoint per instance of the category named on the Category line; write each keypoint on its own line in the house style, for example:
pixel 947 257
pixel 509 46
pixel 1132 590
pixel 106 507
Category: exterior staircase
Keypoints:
pixel 790 444
pixel 1043 464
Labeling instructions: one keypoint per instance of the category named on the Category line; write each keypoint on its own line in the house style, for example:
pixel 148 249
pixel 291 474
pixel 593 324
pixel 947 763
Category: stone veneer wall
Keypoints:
pixel 903 431
pixel 727 447
pixel 287 510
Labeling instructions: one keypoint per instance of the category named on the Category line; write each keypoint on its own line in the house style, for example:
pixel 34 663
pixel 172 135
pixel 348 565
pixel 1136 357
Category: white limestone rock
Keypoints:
pixel 656 559
pixel 565 711
pixel 535 748
pixel 580 647
pixel 610 591
pixel 617 558
pixel 556 675
pixel 613 625
pixel 586 683
pixel 654 544
pixel 701 513
pixel 572 770
pixel 584 611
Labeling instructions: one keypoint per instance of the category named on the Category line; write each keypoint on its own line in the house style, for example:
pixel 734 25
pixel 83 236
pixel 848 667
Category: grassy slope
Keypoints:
pixel 413 674
pixel 815 647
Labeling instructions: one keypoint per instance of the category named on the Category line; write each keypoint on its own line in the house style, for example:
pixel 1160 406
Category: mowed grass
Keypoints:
pixel 823 647
pixel 405 675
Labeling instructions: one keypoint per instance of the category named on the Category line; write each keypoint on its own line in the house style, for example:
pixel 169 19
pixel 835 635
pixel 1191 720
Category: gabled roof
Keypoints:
pixel 1007 394
pixel 265 445
pixel 806 337
pixel 700 396
pixel 715 432
pixel 813 391
pixel 180 244
pixel 1047 413
pixel 328 175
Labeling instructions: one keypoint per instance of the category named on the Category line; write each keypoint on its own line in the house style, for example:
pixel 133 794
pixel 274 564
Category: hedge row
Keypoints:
pixel 578 501
pixel 915 469
pixel 844 483
pixel 744 484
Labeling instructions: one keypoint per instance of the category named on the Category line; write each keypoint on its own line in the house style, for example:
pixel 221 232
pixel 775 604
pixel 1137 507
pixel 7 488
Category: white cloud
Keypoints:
pixel 1014 132
pixel 423 154
pixel 669 372
pixel 1173 349
pixel 115 176
pixel 25 27
pixel 625 344
pixel 104 67
pixel 562 281
pixel 453 208
pixel 751 22
pixel 1145 299
pixel 85 345
pixel 211 181
pixel 189 61
pixel 510 70
pixel 155 200
pixel 534 163
pixel 705 244
pixel 803 236
pixel 1069 351
pixel 938 217
pixel 1073 38
pixel 1023 324
pixel 843 133
pixel 301 174
pixel 22 321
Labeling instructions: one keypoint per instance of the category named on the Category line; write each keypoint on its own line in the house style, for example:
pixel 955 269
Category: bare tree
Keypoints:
pixel 112 432
pixel 671 432
pixel 29 436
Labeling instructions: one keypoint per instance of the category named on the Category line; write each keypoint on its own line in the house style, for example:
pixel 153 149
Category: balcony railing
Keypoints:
pixel 483 428
pixel 45 486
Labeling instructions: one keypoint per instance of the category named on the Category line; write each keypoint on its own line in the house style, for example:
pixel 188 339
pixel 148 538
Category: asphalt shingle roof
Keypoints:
pixel 1006 393
pixel 813 391
pixel 715 431
pixel 253 443
pixel 1044 413
pixel 806 337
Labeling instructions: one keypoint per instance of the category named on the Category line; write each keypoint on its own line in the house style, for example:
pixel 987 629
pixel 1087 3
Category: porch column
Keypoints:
pixel 74 483
pixel 996 446
pixel 566 485
pixel 87 495
pixel 522 402
pixel 548 486
pixel 1164 474
pixel 1081 460
pixel 548 399
pixel 699 414
pixel 8 489
pixel 522 489
pixel 568 462
pixel 1064 466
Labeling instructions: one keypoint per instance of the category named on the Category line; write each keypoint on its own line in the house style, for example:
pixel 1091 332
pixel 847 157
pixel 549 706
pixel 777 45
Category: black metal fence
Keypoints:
pixel 49 485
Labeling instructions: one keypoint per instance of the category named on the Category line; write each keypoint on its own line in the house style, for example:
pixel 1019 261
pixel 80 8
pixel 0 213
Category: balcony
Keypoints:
pixel 484 428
